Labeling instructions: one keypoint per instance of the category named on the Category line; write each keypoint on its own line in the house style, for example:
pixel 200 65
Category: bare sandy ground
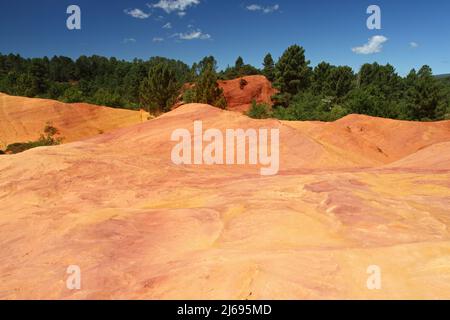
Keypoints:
pixel 24 119
pixel 358 192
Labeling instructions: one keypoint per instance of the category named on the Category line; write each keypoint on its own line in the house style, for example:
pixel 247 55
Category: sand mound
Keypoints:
pixel 140 227
pixel 375 141
pixel 298 151
pixel 434 158
pixel 239 98
pixel 23 119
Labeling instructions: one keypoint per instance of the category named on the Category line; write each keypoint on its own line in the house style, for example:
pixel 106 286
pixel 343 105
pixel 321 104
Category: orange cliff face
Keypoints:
pixel 24 119
pixel 349 195
pixel 240 97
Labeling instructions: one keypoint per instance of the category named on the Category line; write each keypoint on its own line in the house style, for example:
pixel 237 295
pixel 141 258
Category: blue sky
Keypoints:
pixel 328 30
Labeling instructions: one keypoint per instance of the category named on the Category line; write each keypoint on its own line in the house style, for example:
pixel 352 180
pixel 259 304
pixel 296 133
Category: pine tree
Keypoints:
pixel 424 95
pixel 321 79
pixel 207 89
pixel 39 72
pixel 292 72
pixel 239 64
pixel 206 62
pixel 159 90
pixel 269 67
pixel 341 81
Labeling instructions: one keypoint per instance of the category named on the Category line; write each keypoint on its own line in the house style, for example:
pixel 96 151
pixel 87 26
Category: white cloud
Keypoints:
pixel 168 25
pixel 157 39
pixel 174 5
pixel 128 40
pixel 267 9
pixel 181 14
pixel 413 44
pixel 374 45
pixel 137 13
pixel 192 35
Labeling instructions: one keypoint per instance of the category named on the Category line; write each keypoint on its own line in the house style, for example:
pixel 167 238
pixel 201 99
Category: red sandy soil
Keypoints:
pixel 358 192
pixel 24 119
pixel 258 88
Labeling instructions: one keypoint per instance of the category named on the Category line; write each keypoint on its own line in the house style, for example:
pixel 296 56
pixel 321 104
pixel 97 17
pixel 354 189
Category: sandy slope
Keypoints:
pixel 140 227
pixel 23 119
pixel 375 141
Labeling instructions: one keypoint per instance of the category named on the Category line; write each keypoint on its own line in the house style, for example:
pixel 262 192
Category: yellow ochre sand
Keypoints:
pixel 24 119
pixel 358 192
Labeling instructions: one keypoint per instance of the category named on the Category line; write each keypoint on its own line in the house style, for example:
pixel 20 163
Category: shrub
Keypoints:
pixel 259 111
pixel 189 96
pixel 71 95
pixel 106 97
pixel 46 139
pixel 337 112
pixel 242 83
pixel 221 103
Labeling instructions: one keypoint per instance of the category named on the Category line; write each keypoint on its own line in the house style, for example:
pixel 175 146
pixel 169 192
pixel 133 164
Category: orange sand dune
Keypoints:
pixel 141 227
pixel 435 157
pixel 258 88
pixel 374 141
pixel 24 119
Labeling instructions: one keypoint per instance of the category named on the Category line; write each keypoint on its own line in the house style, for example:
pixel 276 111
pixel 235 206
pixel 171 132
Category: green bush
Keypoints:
pixel 337 112
pixel 107 98
pixel 189 96
pixel 221 103
pixel 242 83
pixel 48 138
pixel 305 106
pixel 259 111
pixel 72 95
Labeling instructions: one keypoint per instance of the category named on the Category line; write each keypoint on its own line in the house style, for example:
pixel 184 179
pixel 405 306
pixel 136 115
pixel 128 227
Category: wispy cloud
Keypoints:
pixel 192 35
pixel 129 40
pixel 413 44
pixel 158 39
pixel 168 25
pixel 264 9
pixel 178 6
pixel 374 45
pixel 137 13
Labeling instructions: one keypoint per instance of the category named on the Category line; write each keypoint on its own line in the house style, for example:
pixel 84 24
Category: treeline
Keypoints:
pixel 154 84
pixel 329 92
pixel 325 92
pixel 94 79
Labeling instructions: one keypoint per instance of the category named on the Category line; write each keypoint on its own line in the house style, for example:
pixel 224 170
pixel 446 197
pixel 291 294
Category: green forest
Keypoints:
pixel 324 92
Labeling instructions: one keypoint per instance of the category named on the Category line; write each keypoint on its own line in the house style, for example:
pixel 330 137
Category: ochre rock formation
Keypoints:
pixel 351 194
